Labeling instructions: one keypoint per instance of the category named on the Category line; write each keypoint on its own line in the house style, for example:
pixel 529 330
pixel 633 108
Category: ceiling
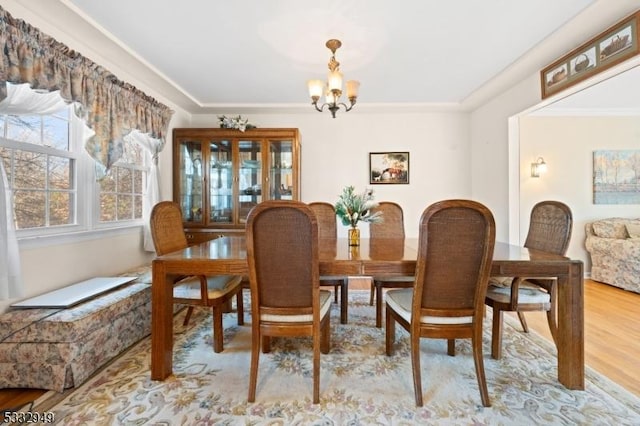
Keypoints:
pixel 261 53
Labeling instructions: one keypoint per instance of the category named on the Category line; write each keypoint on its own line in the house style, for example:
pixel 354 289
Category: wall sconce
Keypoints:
pixel 538 167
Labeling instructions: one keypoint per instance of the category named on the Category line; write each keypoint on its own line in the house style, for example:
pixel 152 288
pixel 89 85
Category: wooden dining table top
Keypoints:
pixel 373 257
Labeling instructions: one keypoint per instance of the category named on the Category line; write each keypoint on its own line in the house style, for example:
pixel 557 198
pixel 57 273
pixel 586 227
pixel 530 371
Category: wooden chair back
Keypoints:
pixel 282 252
pixel 326 216
pixel 456 241
pixel 167 228
pixel 392 225
pixel 550 227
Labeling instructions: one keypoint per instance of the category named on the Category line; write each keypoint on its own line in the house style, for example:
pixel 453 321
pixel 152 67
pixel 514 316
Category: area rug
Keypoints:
pixel 359 384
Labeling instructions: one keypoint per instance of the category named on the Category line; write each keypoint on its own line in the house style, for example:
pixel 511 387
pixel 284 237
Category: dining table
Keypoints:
pixel 373 257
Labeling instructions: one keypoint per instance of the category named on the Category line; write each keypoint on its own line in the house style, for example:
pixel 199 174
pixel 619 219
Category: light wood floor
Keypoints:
pixel 612 338
pixel 611 333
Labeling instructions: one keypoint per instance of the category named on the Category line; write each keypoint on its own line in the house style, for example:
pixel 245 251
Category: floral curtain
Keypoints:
pixel 110 107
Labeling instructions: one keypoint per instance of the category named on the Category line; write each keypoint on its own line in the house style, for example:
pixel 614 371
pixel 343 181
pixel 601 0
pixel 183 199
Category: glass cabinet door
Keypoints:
pixel 191 190
pixel 249 177
pixel 281 170
pixel 221 182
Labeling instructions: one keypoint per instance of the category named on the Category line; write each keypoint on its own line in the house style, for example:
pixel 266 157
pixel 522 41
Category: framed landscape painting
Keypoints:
pixel 616 177
pixel 388 167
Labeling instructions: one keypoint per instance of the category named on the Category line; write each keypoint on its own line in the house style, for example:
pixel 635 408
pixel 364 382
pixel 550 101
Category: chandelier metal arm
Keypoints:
pixel 334 107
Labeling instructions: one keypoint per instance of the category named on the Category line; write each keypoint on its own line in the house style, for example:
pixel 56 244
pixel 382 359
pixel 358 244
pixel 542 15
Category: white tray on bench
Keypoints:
pixel 74 294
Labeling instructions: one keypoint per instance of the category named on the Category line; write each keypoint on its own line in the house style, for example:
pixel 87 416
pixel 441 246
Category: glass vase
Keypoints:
pixel 354 236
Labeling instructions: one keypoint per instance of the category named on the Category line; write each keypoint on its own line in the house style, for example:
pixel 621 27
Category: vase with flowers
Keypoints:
pixel 353 207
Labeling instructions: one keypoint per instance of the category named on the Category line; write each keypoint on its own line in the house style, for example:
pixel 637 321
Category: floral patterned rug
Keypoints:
pixel 359 384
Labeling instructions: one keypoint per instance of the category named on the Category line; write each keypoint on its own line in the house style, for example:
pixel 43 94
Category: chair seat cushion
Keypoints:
pixel 527 293
pixel 217 285
pixel 501 281
pixel 325 305
pixel 400 301
pixel 395 279
pixel 340 278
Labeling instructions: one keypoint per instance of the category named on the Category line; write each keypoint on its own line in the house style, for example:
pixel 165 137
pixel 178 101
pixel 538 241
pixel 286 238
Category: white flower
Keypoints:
pixel 235 123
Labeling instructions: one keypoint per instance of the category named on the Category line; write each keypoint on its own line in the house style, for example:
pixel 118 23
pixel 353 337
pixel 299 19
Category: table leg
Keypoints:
pixel 571 328
pixel 161 324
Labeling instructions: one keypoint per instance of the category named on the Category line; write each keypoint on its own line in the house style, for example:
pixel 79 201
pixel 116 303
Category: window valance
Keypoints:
pixel 111 108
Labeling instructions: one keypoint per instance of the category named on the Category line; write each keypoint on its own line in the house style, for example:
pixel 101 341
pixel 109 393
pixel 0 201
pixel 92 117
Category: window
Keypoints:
pixel 121 191
pixel 40 169
pixel 53 182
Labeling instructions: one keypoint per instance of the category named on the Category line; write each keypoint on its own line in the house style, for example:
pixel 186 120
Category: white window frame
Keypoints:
pixel 87 200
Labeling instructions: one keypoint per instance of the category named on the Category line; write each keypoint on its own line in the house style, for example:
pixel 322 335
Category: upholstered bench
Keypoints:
pixel 60 348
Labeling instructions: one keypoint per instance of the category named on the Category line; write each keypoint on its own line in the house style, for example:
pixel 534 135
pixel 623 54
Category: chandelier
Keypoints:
pixel 332 89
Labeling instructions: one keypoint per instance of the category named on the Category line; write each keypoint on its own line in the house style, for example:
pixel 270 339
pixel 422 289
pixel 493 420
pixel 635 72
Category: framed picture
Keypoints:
pixel 614 45
pixel 388 167
pixel 615 176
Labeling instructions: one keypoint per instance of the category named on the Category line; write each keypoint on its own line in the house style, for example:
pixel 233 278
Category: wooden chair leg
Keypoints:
pixel 553 324
pixel 344 301
pixel 390 332
pixel 218 337
pixel 240 307
pixel 335 292
pixel 552 315
pixel 373 293
pixel 266 344
pixel 523 321
pixel 187 316
pixel 451 347
pixel 415 365
pixel 379 305
pixel 476 342
pixel 496 334
pixel 325 331
pixel 253 370
pixel 316 369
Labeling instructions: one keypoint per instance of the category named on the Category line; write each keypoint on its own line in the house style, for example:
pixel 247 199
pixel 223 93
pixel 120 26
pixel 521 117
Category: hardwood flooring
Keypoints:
pixel 612 338
pixel 611 333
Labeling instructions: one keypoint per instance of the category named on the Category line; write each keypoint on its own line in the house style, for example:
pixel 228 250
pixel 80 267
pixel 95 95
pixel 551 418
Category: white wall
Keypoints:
pixel 335 153
pixel 492 155
pixel 567 144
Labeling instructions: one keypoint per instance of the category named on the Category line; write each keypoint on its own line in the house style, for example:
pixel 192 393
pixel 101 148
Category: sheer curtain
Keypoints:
pixel 20 100
pixel 152 196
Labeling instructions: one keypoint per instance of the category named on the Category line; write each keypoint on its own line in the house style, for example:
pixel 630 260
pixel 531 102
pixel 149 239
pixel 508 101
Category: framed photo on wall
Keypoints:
pixel 388 167
pixel 614 45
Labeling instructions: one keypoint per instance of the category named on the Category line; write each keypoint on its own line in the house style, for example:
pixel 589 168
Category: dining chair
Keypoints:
pixel 214 291
pixel 391 227
pixel 550 228
pixel 455 249
pixel 328 229
pixel 286 299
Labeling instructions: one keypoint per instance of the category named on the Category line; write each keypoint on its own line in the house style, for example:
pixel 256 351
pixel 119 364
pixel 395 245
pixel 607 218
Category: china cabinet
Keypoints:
pixel 220 174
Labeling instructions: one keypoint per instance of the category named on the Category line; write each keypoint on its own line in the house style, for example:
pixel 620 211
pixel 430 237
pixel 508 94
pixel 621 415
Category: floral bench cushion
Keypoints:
pixel 57 349
pixel 69 325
